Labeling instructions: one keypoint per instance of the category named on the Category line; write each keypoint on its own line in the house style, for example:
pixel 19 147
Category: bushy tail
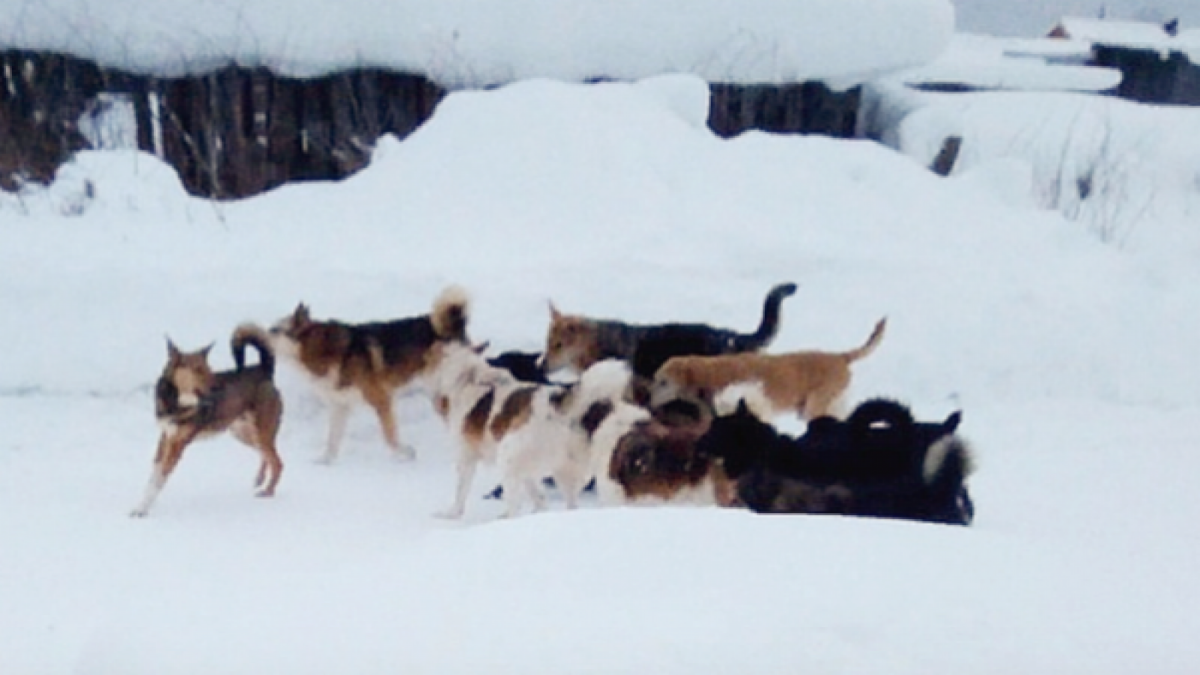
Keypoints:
pixel 868 346
pixel 880 414
pixel 254 336
pixel 449 315
pixel 769 326
pixel 948 464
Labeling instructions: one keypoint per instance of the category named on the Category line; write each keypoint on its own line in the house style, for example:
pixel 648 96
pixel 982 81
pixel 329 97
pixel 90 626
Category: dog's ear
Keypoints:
pixel 481 347
pixel 204 352
pixel 952 422
pixel 173 352
pixel 555 315
pixel 301 315
pixel 742 409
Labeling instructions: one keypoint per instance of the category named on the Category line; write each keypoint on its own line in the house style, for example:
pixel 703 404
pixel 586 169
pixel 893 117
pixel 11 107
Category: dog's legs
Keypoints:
pixel 536 495
pixel 170 449
pixel 821 402
pixel 381 401
pixel 516 490
pixel 270 470
pixel 466 474
pixel 339 414
pixel 261 439
pixel 570 485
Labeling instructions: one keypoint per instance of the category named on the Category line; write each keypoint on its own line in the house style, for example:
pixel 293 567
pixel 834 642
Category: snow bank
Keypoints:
pixel 1124 170
pixel 472 43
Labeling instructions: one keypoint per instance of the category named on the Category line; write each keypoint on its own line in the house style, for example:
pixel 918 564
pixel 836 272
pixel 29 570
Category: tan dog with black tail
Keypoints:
pixel 809 383
pixel 193 402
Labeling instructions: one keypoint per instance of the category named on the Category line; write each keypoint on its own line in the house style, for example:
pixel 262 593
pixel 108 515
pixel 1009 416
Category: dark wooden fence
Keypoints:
pixel 237 132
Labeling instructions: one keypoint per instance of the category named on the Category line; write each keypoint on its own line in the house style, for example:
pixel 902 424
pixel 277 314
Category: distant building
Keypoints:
pixel 1159 63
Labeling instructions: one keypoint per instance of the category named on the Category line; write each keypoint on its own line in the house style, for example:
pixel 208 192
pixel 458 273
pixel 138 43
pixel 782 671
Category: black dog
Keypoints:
pixel 879 462
pixel 525 366
pixel 657 344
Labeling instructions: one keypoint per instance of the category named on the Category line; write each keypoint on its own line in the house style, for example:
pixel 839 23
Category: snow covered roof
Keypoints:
pixel 1133 34
pixel 482 42
pixel 1110 31
pixel 984 62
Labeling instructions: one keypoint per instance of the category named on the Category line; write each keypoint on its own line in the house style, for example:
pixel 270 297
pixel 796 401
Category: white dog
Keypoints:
pixel 529 431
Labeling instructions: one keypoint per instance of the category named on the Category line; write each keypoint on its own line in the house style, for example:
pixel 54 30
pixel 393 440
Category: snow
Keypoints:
pixel 1072 359
pixel 474 43
pixel 984 62
pixel 1124 170
pixel 1112 31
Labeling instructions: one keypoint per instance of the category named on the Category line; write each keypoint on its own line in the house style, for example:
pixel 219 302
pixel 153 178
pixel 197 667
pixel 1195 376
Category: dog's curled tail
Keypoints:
pixel 449 315
pixel 868 346
pixel 948 464
pixel 768 328
pixel 254 336
pixel 882 416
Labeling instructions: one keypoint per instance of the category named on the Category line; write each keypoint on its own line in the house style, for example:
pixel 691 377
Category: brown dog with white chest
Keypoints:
pixel 192 402
pixel 809 383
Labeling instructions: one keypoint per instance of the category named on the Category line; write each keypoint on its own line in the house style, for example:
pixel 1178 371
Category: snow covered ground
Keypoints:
pixel 1074 362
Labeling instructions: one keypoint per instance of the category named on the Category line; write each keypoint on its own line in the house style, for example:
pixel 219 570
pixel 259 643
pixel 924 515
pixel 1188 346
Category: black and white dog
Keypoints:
pixel 880 462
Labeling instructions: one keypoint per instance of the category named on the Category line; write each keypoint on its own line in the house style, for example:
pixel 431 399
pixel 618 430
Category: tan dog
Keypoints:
pixel 192 402
pixel 368 362
pixel 809 383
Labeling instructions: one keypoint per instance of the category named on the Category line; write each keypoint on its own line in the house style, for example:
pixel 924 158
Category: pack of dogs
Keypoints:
pixel 654 413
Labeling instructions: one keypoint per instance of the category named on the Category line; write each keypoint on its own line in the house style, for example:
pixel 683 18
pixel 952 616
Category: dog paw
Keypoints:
pixel 405 453
pixel 264 493
pixel 324 460
pixel 137 513
pixel 449 514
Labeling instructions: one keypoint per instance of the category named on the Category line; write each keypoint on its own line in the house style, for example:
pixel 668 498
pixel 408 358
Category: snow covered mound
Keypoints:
pixel 471 43
pixel 1125 171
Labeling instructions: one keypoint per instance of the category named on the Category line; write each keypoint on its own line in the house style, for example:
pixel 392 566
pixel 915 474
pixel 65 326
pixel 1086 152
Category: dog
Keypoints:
pixel 529 430
pixel 877 463
pixel 578 342
pixel 807 382
pixel 369 362
pixel 642 456
pixel 525 366
pixel 192 402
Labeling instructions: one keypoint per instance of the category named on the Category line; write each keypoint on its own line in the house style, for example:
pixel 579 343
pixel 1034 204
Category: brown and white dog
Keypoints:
pixel 368 362
pixel 810 383
pixel 644 457
pixel 193 402
pixel 529 430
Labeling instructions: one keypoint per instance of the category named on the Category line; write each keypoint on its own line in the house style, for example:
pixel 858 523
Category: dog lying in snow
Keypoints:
pixel 578 342
pixel 879 462
pixel 808 382
pixel 529 430
pixel 368 362
pixel 645 457
pixel 192 402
